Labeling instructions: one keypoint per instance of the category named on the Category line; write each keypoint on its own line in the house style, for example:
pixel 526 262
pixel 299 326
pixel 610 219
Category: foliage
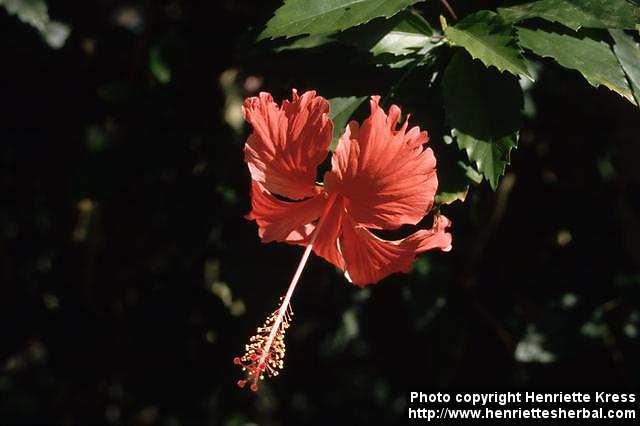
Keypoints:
pixel 405 33
pixel 483 108
pixel 620 14
pixel 297 17
pixel 488 38
pixel 594 60
pixel 341 110
pixel 628 54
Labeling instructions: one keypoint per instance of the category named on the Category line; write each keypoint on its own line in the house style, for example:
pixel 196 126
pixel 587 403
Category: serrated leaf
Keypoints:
pixel 341 110
pixel 593 59
pixel 403 34
pixel 628 53
pixel 488 38
pixel 313 17
pixel 576 14
pixel 480 101
pixel 490 156
pixel 484 107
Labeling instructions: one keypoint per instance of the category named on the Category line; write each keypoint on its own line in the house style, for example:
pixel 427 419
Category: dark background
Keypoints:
pixel 129 278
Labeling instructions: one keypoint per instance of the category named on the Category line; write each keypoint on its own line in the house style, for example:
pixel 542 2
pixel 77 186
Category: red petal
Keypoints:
pixel 326 244
pixel 283 220
pixel 287 143
pixel 435 238
pixel 388 178
pixel 368 258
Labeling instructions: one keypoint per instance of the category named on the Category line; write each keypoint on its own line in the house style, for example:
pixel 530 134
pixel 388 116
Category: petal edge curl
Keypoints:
pixel 287 143
pixel 369 258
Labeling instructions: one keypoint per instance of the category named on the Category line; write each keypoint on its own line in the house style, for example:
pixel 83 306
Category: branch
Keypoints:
pixel 447 6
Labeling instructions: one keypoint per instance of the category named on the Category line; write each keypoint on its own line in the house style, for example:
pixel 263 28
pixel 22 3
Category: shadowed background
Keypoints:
pixel 130 279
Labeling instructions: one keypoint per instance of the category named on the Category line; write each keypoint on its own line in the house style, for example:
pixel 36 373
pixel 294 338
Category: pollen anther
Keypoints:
pixel 259 359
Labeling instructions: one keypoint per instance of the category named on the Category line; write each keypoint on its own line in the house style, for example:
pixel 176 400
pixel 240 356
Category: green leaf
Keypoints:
pixel 341 110
pixel 307 42
pixel 403 34
pixel 412 34
pixel 453 182
pixel 490 156
pixel 593 59
pixel 35 13
pixel 488 38
pixel 480 101
pixel 576 14
pixel 394 62
pixel 483 106
pixel 628 53
pixel 313 17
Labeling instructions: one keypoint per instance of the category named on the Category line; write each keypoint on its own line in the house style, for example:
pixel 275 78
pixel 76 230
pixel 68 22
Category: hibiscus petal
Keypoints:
pixel 385 174
pixel 283 220
pixel 435 238
pixel 326 244
pixel 368 258
pixel 287 143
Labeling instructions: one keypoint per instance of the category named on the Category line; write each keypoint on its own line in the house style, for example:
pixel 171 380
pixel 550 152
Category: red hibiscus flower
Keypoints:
pixel 381 178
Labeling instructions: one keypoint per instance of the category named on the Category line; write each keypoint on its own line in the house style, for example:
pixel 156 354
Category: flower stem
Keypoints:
pixel 282 310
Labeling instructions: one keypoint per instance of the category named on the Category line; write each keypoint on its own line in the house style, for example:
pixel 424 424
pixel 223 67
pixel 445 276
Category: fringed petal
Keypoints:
pixel 287 143
pixel 386 176
pixel 368 258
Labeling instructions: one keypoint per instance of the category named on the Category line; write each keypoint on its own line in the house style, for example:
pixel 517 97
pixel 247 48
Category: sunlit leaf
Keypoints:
pixel 628 53
pixel 593 59
pixel 403 34
pixel 297 17
pixel 341 110
pixel 491 156
pixel 488 38
pixel 577 14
